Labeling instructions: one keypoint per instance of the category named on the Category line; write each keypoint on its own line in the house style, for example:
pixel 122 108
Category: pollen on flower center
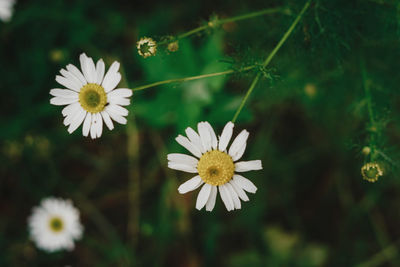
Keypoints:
pixel 56 224
pixel 216 167
pixel 93 98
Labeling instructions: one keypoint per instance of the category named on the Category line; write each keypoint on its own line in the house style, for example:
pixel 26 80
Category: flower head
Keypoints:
pixel 371 172
pixel 215 166
pixel 55 225
pixel 6 9
pixel 173 47
pixel 91 97
pixel 146 47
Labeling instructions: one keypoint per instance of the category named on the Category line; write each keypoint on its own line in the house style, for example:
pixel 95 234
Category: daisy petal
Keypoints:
pixel 119 101
pixel 195 139
pixel 204 135
pixel 244 166
pixel 99 125
pixel 69 118
pixel 121 92
pixel 238 189
pixel 64 93
pixel 107 120
pixel 211 200
pixel 239 153
pixel 116 117
pixel 114 81
pixel 77 120
pixel 244 183
pixel 182 167
pixel 203 196
pixel 225 136
pixel 234 196
pixel 82 60
pixel 67 83
pixel 118 110
pixel 183 141
pixel 61 101
pixel 182 159
pixel 100 67
pixel 238 145
pixel 91 70
pixel 88 68
pixel 70 109
pixel 93 130
pixel 214 140
pixel 190 185
pixel 86 124
pixel 77 73
pixel 110 77
pixel 226 198
pixel 71 77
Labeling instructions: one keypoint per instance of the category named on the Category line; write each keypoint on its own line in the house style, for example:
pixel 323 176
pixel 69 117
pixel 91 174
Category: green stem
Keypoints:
pixel 251 15
pixel 191 32
pixel 372 124
pixel 270 57
pixel 382 256
pixel 223 21
pixel 192 78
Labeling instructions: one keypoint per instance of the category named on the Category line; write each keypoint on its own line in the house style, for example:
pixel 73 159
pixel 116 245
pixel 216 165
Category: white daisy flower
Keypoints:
pixel 55 225
pixel 6 9
pixel 215 166
pixel 91 96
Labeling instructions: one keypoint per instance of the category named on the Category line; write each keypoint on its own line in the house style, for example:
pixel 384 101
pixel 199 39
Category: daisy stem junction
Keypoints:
pixel 270 57
pixel 218 22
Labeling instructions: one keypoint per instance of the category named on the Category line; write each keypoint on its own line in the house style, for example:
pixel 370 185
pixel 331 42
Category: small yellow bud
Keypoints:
pixel 57 55
pixel 366 150
pixel 146 47
pixel 173 47
pixel 310 90
pixel 371 171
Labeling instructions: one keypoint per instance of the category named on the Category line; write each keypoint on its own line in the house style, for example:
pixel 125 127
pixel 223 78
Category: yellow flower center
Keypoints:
pixel 56 224
pixel 216 167
pixel 93 98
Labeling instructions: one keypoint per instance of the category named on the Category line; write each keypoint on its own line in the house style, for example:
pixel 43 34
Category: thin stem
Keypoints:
pixel 192 78
pixel 382 236
pixel 251 15
pixel 134 183
pixel 132 151
pixel 191 32
pixel 270 57
pixel 253 84
pixel 223 21
pixel 382 256
pixel 372 126
pixel 367 93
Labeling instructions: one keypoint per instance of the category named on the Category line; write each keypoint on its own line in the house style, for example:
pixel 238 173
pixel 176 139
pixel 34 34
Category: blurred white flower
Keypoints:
pixel 55 225
pixel 91 96
pixel 6 9
pixel 215 166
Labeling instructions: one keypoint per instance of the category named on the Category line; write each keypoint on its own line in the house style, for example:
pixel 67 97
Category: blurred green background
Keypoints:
pixel 307 118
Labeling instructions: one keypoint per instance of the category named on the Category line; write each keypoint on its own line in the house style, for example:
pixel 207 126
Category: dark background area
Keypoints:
pixel 307 119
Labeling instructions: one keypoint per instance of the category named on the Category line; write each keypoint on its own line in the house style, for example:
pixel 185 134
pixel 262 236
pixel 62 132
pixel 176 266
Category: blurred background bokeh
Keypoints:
pixel 307 119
